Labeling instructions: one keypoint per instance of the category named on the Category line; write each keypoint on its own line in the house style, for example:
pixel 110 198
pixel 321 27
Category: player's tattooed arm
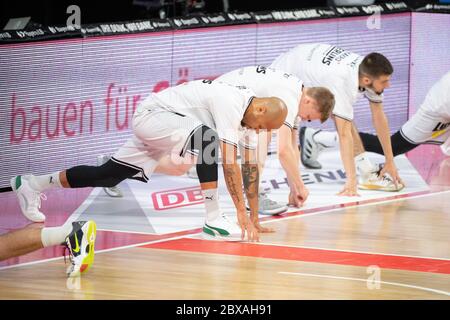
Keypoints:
pixel 233 179
pixel 250 177
pixel 232 175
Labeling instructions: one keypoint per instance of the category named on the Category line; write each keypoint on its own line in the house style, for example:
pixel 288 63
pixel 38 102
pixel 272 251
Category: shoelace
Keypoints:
pixel 384 179
pixel 71 258
pixel 37 199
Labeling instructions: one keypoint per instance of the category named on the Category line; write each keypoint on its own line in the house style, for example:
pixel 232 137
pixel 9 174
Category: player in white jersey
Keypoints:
pixel 429 125
pixel 348 76
pixel 186 122
pixel 303 103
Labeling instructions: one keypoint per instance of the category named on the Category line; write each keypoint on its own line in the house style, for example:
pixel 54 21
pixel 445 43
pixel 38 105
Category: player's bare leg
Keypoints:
pixel 78 237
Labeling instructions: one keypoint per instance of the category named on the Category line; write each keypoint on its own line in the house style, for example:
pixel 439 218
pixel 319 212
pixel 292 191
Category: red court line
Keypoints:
pixel 306 255
pixel 110 239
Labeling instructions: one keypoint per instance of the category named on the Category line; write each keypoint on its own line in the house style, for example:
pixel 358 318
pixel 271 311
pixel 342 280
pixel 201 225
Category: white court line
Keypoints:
pixel 365 280
pixel 132 232
pixel 185 236
pixel 86 203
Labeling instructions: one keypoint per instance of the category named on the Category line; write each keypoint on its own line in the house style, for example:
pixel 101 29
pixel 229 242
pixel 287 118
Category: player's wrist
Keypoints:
pixel 351 179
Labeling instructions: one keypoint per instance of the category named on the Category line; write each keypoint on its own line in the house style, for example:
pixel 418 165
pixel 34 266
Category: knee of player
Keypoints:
pixel 207 143
pixel 111 182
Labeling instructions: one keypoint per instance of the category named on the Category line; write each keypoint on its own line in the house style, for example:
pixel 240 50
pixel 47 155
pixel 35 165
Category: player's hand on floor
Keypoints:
pixel 247 227
pixel 392 171
pixel 350 189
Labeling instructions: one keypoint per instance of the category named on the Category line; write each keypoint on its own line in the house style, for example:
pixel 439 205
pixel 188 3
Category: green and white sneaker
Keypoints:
pixel 223 229
pixel 80 243
pixel 29 198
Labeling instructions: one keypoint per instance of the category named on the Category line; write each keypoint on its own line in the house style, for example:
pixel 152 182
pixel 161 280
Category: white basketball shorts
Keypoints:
pixel 426 128
pixel 157 133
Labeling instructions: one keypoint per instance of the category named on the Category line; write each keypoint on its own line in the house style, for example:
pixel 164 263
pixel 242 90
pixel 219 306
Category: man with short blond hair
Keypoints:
pixel 303 103
pixel 349 76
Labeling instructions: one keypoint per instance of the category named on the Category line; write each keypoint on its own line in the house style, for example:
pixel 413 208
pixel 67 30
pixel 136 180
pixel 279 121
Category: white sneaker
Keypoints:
pixel 29 199
pixel 222 228
pixel 310 149
pixel 81 243
pixel 382 183
pixel 267 206
pixel 113 192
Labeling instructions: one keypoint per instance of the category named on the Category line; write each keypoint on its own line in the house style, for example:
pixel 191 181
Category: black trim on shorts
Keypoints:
pixel 406 138
pixel 183 150
pixel 288 125
pixel 126 164
pixel 438 143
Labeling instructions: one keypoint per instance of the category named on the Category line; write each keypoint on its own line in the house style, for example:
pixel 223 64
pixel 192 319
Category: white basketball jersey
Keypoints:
pixel 437 101
pixel 268 82
pixel 323 65
pixel 431 122
pixel 218 105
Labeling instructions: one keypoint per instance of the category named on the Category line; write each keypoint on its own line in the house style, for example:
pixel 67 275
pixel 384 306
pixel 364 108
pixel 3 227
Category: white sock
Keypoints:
pixel 363 164
pixel 44 182
pixel 55 236
pixel 211 197
pixel 327 138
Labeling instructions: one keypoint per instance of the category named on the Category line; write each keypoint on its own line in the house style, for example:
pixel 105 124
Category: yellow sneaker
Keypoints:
pixel 81 242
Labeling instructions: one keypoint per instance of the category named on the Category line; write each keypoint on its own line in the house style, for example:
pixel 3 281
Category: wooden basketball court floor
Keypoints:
pixel 394 248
